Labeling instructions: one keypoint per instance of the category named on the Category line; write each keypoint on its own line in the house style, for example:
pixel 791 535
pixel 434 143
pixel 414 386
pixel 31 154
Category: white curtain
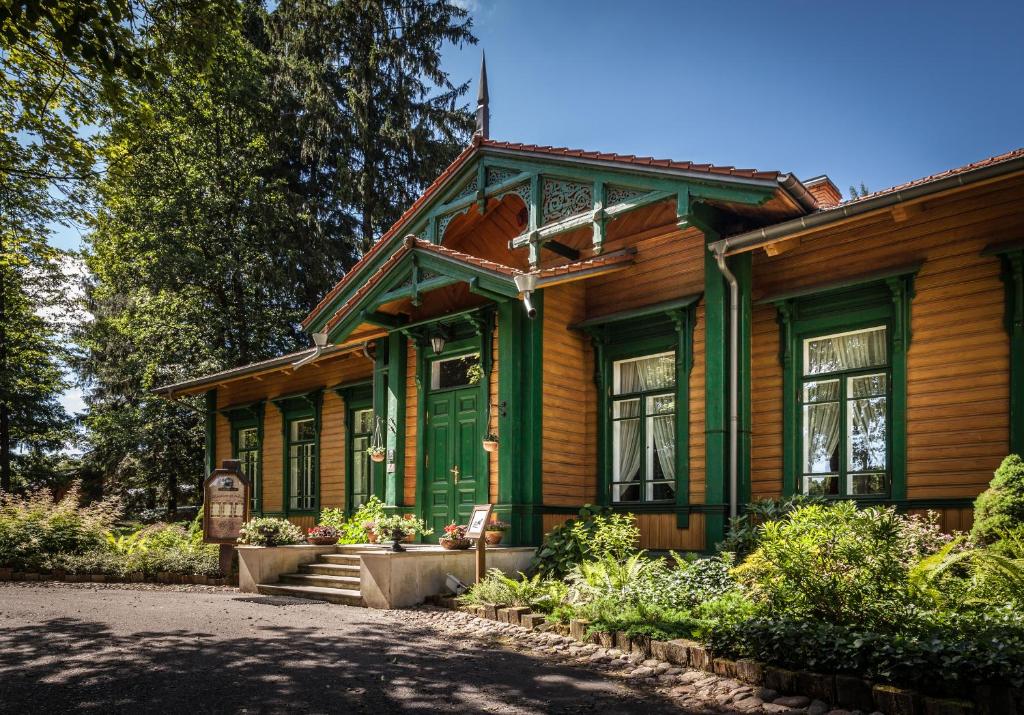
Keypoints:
pixel 851 351
pixel 628 430
pixel 664 428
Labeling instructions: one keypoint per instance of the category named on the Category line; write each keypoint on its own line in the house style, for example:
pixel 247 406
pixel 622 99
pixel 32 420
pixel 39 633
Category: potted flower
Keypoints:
pixel 494 531
pixel 454 538
pixel 376 453
pixel 490 442
pixel 396 527
pixel 322 535
pixel 370 527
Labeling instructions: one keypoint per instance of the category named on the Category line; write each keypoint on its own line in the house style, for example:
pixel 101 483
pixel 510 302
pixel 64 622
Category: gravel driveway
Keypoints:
pixel 203 650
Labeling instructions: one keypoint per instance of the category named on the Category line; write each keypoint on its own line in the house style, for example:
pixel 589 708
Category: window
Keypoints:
pixel 455 372
pixel 845 413
pixel 644 429
pixel 302 464
pixel 247 442
pixel 362 470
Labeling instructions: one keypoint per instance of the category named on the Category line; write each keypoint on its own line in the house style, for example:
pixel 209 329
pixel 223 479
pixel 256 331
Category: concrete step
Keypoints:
pixel 321 580
pixel 341 559
pixel 346 597
pixel 331 569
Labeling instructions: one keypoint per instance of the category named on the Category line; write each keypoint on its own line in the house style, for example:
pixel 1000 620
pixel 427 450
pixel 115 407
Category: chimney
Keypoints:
pixel 824 191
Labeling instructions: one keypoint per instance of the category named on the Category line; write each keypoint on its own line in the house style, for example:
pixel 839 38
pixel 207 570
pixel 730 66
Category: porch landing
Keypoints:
pixel 369 575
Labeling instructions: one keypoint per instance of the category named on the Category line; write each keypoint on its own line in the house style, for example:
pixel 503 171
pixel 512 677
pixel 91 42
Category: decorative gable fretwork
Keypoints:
pixel 562 198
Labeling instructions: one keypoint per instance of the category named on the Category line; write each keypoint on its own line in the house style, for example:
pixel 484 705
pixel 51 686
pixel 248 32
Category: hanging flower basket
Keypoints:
pixel 376 450
pixel 491 443
pixel 455 544
pixel 377 455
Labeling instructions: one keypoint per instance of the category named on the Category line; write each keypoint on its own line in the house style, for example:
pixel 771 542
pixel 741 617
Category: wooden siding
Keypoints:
pixel 332 452
pixel 697 438
pixel 958 361
pixel 669 264
pixel 951 519
pixel 657 531
pixel 325 374
pixel 569 423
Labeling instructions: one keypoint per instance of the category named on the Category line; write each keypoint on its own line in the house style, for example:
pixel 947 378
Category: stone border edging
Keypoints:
pixel 7 574
pixel 838 690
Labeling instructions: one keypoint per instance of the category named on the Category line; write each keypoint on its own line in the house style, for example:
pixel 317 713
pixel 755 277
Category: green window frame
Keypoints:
pixel 658 330
pixel 1011 258
pixel 846 393
pixel 247 447
pixel 300 426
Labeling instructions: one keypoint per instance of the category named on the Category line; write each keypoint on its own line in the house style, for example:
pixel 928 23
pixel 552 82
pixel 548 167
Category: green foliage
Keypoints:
pixel 745 529
pixel 269 531
pixel 690 583
pixel 386 526
pixel 127 544
pixel 353 530
pixel 36 525
pixel 1000 508
pixel 834 562
pixel 500 590
pixel 595 533
pixel 961 577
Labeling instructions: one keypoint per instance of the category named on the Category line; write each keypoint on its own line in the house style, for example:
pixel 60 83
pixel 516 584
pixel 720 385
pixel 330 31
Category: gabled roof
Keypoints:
pixel 648 165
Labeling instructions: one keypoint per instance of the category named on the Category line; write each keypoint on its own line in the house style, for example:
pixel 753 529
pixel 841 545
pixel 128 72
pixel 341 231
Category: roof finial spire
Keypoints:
pixel 483 112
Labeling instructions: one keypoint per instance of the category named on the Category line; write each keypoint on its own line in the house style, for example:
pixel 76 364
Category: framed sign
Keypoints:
pixel 478 520
pixel 225 503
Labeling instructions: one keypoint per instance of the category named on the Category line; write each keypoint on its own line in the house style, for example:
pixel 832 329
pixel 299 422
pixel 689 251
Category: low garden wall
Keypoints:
pixel 265 564
pixel 391 579
pixel 138 577
pixel 836 689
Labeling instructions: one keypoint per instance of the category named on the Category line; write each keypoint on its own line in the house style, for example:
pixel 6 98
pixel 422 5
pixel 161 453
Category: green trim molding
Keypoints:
pixel 654 329
pixel 1011 257
pixel 243 417
pixel 354 396
pixel 884 298
pixel 303 405
pixel 210 448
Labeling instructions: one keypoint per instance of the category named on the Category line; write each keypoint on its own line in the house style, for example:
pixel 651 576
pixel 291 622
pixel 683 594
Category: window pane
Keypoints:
pixel 866 385
pixel 626 451
pixel 626 492
pixel 821 391
pixel 845 351
pixel 301 476
pixel 860 484
pixel 661 439
pixel 866 429
pixel 655 372
pixel 626 408
pixel 362 421
pixel 661 491
pixel 247 439
pixel 821 485
pixel 661 405
pixel 303 431
pixel 455 372
pixel 821 438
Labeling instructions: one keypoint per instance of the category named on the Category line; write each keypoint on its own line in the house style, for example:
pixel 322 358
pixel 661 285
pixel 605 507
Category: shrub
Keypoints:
pixel 35 526
pixel 611 580
pixel 267 531
pixel 745 529
pixel 690 583
pixel 832 562
pixel 353 530
pixel 1000 508
pixel 595 533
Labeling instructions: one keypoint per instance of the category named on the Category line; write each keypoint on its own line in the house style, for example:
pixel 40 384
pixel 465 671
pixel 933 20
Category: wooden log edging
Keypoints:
pixel 7 574
pixel 838 690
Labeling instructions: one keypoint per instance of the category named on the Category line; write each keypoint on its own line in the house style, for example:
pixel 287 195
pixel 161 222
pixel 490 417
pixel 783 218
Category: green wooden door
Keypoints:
pixel 454 457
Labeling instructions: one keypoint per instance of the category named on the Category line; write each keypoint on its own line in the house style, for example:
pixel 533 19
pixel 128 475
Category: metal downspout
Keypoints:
pixel 734 377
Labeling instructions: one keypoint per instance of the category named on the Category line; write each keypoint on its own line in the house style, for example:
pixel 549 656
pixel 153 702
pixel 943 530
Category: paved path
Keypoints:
pixel 103 649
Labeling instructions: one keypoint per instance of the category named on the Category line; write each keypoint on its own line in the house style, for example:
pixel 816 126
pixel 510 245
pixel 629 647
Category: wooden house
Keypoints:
pixel 667 338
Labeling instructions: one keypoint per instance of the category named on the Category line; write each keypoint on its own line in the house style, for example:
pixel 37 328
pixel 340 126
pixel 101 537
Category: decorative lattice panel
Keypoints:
pixel 618 194
pixel 561 199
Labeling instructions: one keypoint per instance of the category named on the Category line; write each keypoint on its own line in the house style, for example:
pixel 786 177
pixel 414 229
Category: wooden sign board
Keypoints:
pixel 478 521
pixel 225 503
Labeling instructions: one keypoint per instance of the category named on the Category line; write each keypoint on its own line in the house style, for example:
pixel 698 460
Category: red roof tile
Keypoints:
pixel 998 159
pixel 561 152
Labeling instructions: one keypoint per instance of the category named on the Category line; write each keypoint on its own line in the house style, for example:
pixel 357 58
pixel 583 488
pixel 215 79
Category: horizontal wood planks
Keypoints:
pixel 958 362
pixel 322 374
pixel 411 425
pixel 569 423
pixel 657 531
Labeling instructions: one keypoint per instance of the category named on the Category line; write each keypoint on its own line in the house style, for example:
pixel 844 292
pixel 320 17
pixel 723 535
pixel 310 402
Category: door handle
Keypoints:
pixel 455 472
